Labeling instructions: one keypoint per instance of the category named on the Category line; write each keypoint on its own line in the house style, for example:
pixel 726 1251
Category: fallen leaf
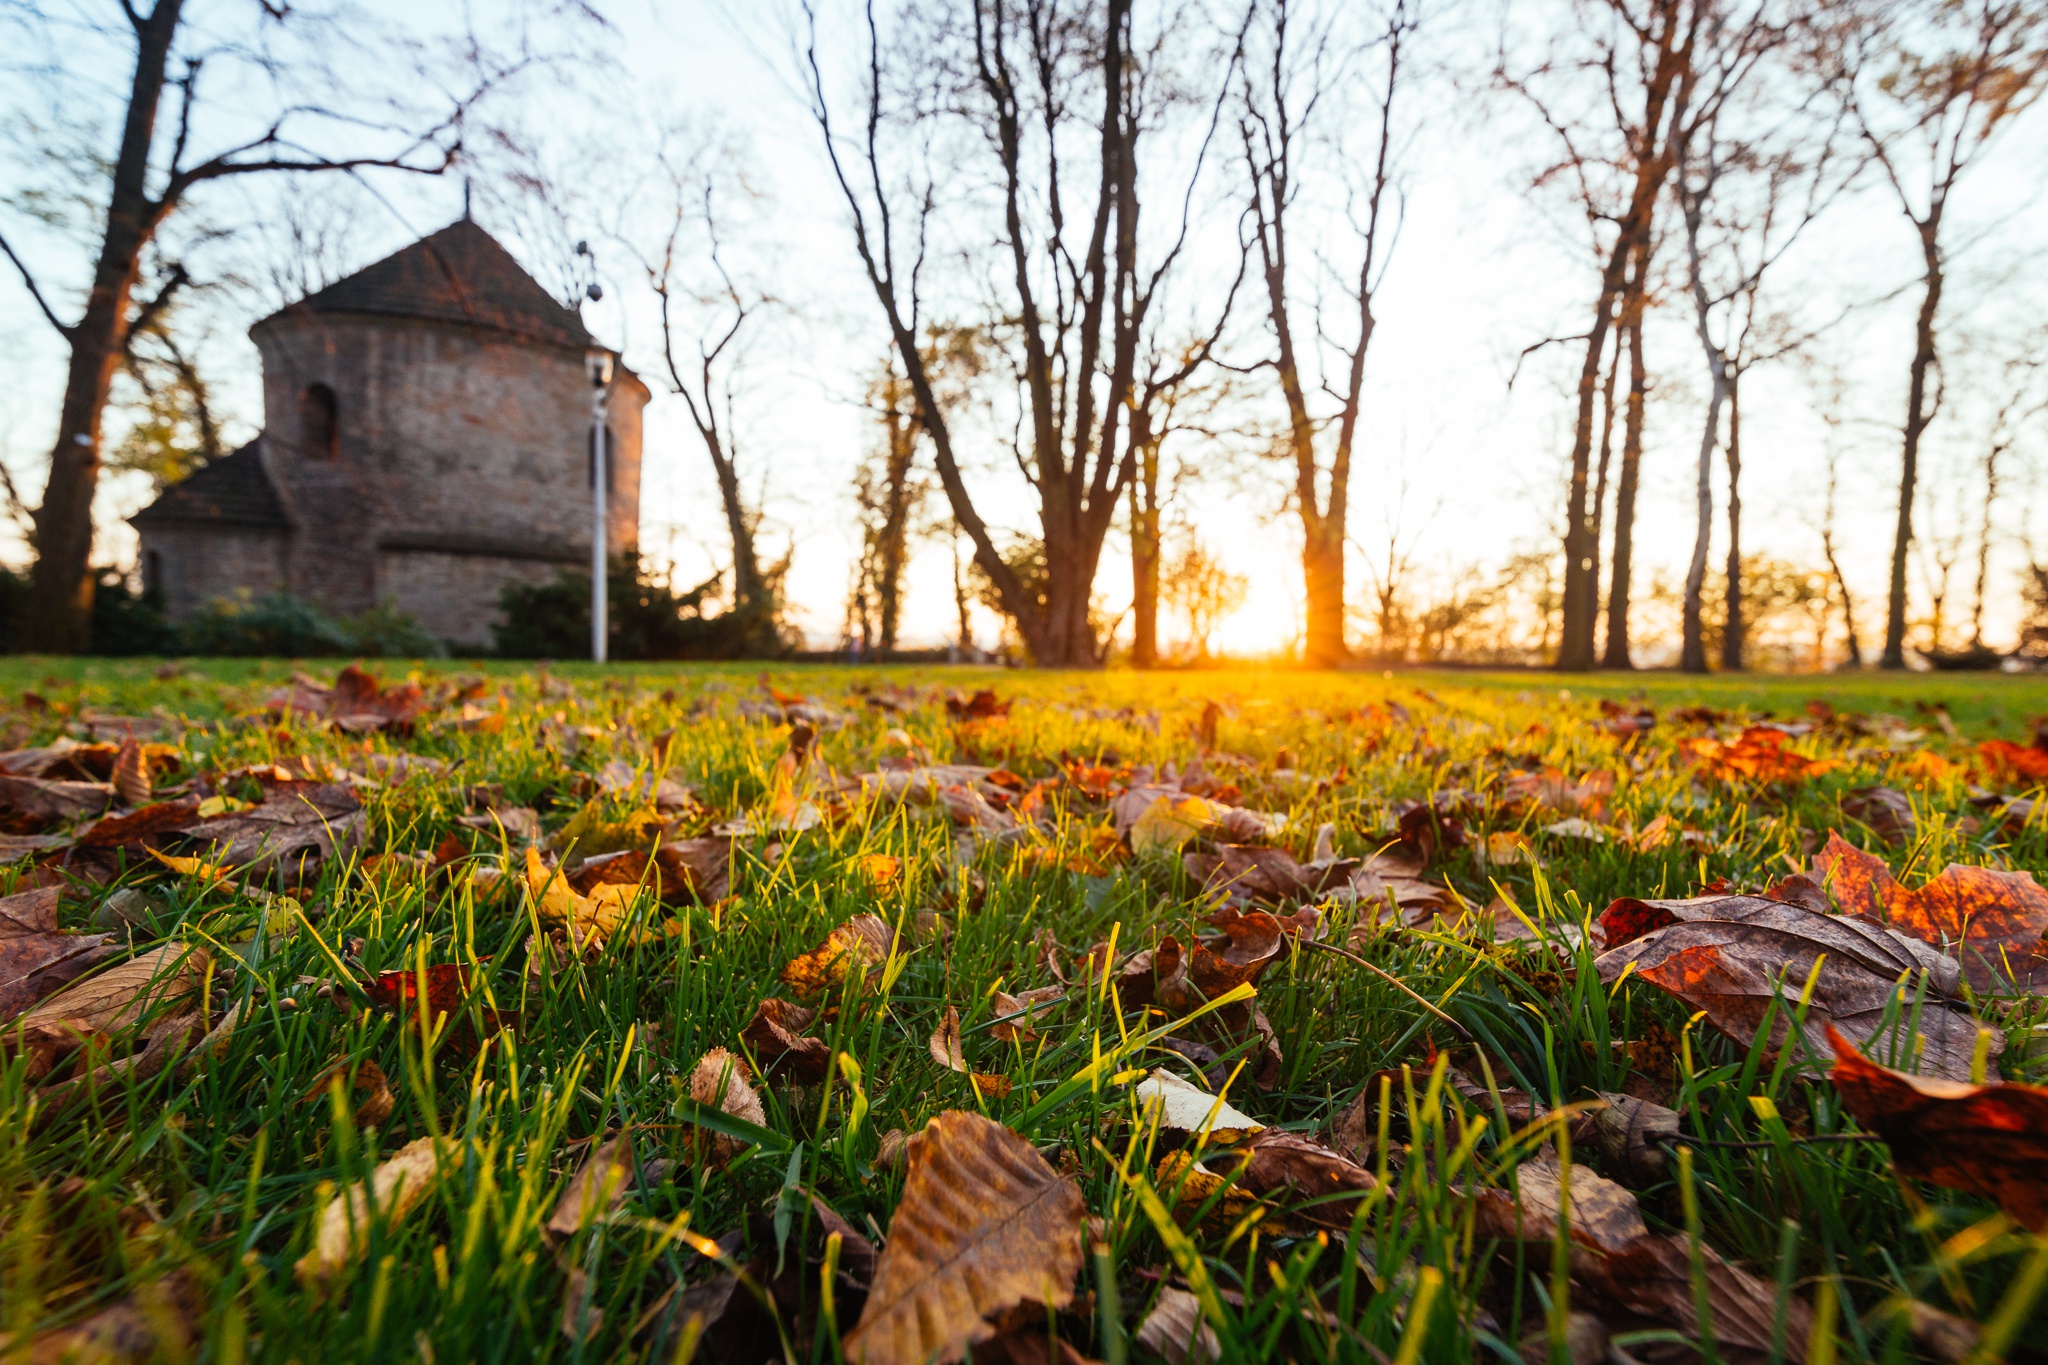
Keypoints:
pixel 1991 1140
pixel 36 957
pixel 1174 1329
pixel 775 1034
pixel 590 920
pixel 1757 755
pixel 1552 789
pixel 130 775
pixel 1020 1031
pixel 1648 1287
pixel 1992 920
pixel 598 1187
pixel 863 941
pixel 721 1081
pixel 365 1078
pixel 983 1225
pixel 1733 955
pixel 161 1320
pixel 1317 1185
pixel 30 805
pixel 299 823
pixel 1889 813
pixel 980 706
pixel 395 1188
pixel 1602 1213
pixel 2009 760
pixel 357 702
pixel 1169 1101
pixel 117 999
pixel 945 1046
pixel 1627 1133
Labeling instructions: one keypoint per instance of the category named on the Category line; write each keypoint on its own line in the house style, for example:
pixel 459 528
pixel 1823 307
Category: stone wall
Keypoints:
pixel 461 454
pixel 193 565
pixel 455 597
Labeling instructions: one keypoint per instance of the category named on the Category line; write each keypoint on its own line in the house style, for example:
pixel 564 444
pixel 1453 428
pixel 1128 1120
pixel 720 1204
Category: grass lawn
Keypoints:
pixel 600 877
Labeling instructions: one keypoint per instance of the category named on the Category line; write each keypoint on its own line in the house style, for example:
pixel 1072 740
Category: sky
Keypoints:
pixel 1468 469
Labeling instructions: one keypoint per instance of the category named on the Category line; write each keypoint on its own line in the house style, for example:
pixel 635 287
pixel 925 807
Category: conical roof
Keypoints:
pixel 460 274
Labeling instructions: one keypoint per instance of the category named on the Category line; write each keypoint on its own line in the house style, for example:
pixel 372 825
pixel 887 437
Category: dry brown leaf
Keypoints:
pixel 365 1078
pixel 1020 1030
pixel 395 1188
pixel 1732 955
pixel 1991 1140
pixel 1603 1214
pixel 984 1224
pixel 598 1187
pixel 118 998
pixel 1648 1287
pixel 130 775
pixel 776 1034
pixel 36 957
pixel 29 805
pixel 863 941
pixel 721 1081
pixel 161 1320
pixel 946 1052
pixel 1316 1184
pixel 1175 1332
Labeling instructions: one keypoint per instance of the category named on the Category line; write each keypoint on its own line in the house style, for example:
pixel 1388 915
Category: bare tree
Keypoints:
pixel 1643 54
pixel 1018 78
pixel 1931 83
pixel 1754 175
pixel 156 168
pixel 1292 75
pixel 716 311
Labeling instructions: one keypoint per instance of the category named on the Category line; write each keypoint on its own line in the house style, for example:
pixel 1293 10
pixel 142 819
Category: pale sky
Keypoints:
pixel 1482 270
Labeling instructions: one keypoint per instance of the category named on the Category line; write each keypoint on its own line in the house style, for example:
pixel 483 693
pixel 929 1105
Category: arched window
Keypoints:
pixel 152 573
pixel 319 424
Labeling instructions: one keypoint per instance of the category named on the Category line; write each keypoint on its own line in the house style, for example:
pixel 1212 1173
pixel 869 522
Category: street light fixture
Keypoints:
pixel 598 362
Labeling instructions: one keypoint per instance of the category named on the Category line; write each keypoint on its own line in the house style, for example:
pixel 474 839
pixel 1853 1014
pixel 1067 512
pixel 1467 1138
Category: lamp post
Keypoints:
pixel 599 363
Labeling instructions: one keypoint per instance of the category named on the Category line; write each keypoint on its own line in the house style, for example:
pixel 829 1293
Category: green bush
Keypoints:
pixel 280 624
pixel 127 622
pixel 649 619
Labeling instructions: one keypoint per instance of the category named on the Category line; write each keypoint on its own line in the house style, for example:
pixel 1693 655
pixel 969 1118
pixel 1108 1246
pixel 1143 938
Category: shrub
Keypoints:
pixel 280 624
pixel 649 619
pixel 127 622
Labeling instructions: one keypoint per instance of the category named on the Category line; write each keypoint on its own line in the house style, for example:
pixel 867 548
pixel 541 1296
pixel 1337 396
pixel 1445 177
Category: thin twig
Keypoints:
pixel 1677 1139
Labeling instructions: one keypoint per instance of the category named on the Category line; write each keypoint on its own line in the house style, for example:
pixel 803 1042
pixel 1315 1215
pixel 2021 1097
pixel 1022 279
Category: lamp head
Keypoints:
pixel 598 362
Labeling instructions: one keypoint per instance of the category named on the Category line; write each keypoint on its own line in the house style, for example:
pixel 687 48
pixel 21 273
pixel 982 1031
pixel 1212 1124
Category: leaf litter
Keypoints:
pixel 315 861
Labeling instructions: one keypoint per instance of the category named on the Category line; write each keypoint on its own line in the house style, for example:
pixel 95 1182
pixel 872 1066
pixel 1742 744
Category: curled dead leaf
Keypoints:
pixel 1991 1140
pixel 394 1189
pixel 862 942
pixel 984 1224
pixel 776 1035
pixel 598 1187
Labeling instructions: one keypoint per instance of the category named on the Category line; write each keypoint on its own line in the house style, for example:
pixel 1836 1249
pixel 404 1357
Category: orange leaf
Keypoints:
pixel 862 941
pixel 1990 1140
pixel 1992 920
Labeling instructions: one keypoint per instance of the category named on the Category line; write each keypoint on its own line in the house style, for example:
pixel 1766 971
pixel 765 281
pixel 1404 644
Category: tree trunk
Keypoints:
pixel 1827 545
pixel 1322 563
pixel 1581 552
pixel 1617 655
pixel 1606 452
pixel 1692 654
pixel 58 618
pixel 1733 631
pixel 1145 553
pixel 1918 416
